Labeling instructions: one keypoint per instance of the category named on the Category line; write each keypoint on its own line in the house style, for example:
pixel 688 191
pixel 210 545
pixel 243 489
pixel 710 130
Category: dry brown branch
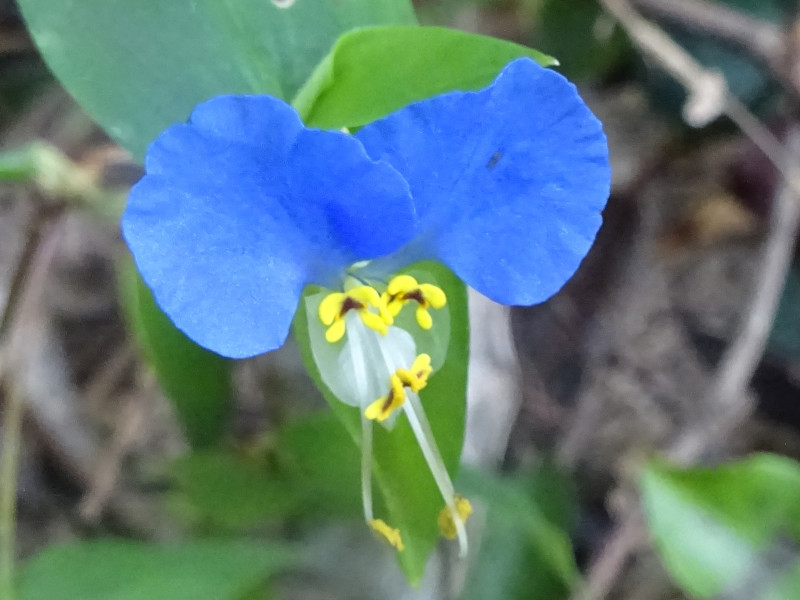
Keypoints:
pixel 608 564
pixel 708 95
pixel 19 312
pixel 127 432
pixel 13 41
pixel 40 220
pixel 760 39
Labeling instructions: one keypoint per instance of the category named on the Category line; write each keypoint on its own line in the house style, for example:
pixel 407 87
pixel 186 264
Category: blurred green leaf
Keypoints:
pixel 411 497
pixel 44 165
pixel 197 381
pixel 731 531
pixel 222 491
pixel 321 466
pixel 584 38
pixel 309 470
pixel 21 165
pixel 138 67
pixel 376 70
pixel 525 552
pixel 117 570
pixel 23 80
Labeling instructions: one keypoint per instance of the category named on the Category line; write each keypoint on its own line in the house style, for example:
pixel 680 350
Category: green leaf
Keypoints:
pixel 118 570
pixel 197 381
pixel 220 491
pixel 587 42
pixel 525 552
pixel 374 71
pixel 410 495
pixel 138 67
pixel 729 531
pixel 309 471
pixel 321 467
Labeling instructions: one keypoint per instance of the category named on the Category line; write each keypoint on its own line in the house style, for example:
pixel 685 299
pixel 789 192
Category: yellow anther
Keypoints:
pixel 416 377
pixel 390 534
pixel 404 288
pixel 447 526
pixel 383 407
pixel 336 305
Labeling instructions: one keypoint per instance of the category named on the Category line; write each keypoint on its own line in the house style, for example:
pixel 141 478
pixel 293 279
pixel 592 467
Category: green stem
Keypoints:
pixel 9 468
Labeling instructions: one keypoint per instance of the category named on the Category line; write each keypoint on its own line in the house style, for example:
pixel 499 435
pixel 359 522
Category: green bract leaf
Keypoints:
pixel 335 361
pixel 197 381
pixel 374 71
pixel 138 67
pixel 410 495
pixel 116 570
pixel 732 531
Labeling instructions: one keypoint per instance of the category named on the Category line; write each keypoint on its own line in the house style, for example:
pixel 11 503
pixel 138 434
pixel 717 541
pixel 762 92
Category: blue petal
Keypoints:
pixel 243 206
pixel 508 182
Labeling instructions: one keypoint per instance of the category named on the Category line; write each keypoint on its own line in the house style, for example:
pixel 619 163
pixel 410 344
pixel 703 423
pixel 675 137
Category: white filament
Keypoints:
pixel 427 443
pixel 366 467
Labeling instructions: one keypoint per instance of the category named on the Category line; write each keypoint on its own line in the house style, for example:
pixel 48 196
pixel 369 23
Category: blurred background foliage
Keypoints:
pixel 152 469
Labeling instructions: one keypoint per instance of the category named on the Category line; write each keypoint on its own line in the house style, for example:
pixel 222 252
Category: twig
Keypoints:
pixel 14 40
pixel 708 95
pixel 759 38
pixel 9 460
pixel 102 384
pixel 603 572
pixel 31 271
pixel 21 270
pixel 127 431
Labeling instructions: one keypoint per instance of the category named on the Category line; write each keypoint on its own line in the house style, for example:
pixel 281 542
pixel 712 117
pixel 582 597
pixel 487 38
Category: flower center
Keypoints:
pixel 379 359
pixel 377 310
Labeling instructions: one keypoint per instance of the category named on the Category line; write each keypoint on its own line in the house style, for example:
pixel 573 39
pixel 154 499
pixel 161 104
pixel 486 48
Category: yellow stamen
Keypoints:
pixel 390 534
pixel 336 305
pixel 404 288
pixel 383 407
pixel 447 525
pixel 416 377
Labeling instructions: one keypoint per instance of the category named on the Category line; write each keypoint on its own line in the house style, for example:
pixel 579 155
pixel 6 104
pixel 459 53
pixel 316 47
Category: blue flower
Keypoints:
pixel 243 206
